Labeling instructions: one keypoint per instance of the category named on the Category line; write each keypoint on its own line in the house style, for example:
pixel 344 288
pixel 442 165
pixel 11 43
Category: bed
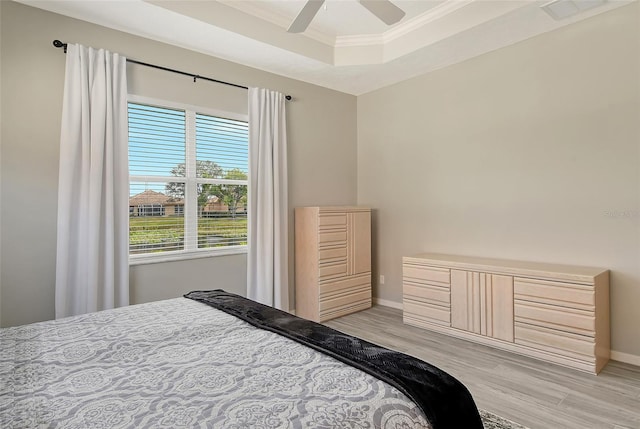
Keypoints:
pixel 213 359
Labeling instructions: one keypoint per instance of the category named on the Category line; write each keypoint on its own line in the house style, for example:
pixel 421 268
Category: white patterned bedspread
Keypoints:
pixel 182 364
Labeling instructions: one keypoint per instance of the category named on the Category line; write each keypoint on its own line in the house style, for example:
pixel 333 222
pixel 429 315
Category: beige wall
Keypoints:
pixel 530 152
pixel 32 84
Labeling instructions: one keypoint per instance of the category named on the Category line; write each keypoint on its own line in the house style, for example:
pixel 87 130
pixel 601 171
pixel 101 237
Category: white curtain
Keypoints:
pixel 92 270
pixel 267 264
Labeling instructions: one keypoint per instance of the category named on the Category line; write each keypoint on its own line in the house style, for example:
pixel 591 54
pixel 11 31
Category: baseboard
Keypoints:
pixel 387 303
pixel 625 357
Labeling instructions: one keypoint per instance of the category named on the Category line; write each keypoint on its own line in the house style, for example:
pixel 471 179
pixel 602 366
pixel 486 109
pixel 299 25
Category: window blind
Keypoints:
pixel 188 180
pixel 222 152
pixel 224 141
pixel 156 140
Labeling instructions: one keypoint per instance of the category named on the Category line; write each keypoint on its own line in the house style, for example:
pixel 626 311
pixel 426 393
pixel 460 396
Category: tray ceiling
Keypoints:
pixel 345 48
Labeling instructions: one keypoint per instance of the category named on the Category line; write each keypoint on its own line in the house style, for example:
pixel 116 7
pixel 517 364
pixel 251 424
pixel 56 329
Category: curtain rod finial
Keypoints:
pixel 58 44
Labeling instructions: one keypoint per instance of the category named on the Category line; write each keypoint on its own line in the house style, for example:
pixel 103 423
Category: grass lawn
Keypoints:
pixel 159 233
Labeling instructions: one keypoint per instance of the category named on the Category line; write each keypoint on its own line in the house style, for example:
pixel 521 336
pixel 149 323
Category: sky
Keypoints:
pixel 157 143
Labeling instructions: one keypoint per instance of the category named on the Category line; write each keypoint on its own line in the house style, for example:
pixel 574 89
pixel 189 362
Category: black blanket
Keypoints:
pixel 446 403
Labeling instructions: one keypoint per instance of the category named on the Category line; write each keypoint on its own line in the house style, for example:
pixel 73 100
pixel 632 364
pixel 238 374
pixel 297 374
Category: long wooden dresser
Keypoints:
pixel 556 313
pixel 333 261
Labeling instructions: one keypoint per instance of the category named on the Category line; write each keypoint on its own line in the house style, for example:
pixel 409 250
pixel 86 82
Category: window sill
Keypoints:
pixel 158 258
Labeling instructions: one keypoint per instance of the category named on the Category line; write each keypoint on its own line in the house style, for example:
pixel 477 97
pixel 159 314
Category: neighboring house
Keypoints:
pixel 152 203
pixel 216 206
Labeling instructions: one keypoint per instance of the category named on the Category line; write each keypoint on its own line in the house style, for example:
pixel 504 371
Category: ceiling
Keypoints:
pixel 345 48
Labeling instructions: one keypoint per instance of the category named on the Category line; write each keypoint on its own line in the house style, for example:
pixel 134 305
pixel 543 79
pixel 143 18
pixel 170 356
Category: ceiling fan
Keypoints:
pixel 388 12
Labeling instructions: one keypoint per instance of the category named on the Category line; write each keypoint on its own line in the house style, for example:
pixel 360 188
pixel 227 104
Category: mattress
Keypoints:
pixel 182 364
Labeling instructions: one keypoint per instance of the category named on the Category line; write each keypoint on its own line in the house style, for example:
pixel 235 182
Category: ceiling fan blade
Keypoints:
pixel 388 12
pixel 305 16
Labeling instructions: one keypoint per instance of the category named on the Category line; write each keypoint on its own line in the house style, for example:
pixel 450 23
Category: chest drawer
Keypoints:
pixel 426 312
pixel 427 293
pixel 332 238
pixel 333 287
pixel 581 322
pixel 332 220
pixel 333 253
pixel 333 270
pixel 551 340
pixel 428 274
pixel 570 295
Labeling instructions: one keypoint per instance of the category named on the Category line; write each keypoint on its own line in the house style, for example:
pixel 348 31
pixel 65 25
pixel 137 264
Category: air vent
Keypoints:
pixel 561 9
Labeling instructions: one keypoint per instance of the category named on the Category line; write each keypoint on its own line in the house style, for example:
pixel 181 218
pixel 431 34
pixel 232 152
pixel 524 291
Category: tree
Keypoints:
pixel 234 195
pixel 231 195
pixel 204 169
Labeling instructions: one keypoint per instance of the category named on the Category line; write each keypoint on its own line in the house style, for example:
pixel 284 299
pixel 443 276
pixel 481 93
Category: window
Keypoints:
pixel 188 181
pixel 178 210
pixel 150 210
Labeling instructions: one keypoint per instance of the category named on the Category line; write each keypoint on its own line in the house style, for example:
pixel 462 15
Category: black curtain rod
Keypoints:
pixel 58 44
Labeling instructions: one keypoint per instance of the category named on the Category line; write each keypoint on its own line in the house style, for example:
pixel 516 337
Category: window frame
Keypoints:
pixel 190 214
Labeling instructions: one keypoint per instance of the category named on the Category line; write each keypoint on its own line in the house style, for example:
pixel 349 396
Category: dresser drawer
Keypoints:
pixel 333 270
pixel 333 253
pixel 426 312
pixel 556 293
pixel 333 220
pixel 333 287
pixel 550 340
pixel 428 274
pixel 353 298
pixel 560 318
pixel 332 238
pixel 425 292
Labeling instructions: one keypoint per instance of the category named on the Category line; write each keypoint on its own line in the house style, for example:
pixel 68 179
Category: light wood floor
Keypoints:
pixel 527 391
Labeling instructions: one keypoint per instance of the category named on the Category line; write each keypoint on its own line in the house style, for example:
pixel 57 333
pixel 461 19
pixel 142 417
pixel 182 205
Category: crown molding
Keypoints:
pixel 431 15
pixel 359 40
pixel 278 19
pixel 402 29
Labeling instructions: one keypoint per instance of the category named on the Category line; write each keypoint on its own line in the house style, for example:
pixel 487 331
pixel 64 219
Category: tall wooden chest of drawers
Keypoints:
pixel 332 261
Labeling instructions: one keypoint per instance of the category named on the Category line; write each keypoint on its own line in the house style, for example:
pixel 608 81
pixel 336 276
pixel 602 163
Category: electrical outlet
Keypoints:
pixel 381 279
